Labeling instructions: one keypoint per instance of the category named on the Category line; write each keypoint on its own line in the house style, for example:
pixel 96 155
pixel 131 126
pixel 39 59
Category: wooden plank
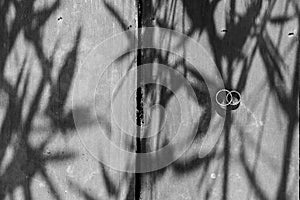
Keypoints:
pixel 249 160
pixel 81 26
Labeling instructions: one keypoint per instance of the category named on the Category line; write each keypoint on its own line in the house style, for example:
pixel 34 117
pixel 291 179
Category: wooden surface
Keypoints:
pixel 44 155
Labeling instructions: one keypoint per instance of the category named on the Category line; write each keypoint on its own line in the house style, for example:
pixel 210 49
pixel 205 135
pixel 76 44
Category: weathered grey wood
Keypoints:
pixel 259 129
pixel 251 155
pixel 82 176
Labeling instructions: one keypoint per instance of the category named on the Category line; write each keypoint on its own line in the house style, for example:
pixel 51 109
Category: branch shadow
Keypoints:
pixel 20 160
pixel 239 29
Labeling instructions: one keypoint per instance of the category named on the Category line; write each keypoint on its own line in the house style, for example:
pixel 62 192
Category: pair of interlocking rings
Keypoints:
pixel 228 99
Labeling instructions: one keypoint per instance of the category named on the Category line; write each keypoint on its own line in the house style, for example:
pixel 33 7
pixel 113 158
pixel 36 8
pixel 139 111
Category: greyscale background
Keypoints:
pixel 55 103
